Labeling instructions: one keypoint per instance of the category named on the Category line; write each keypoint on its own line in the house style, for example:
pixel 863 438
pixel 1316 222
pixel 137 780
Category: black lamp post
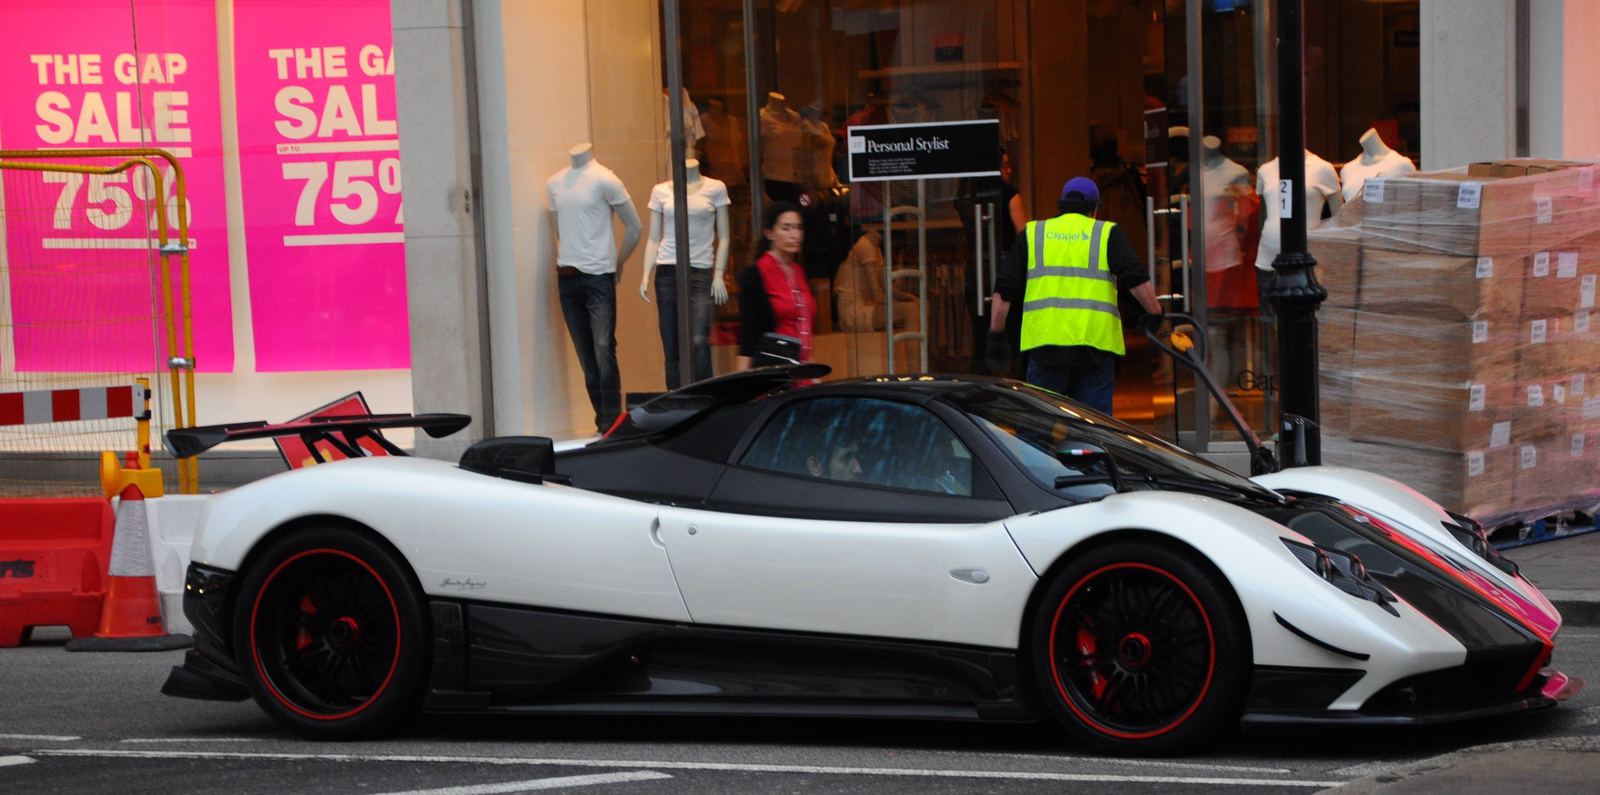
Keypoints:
pixel 1296 292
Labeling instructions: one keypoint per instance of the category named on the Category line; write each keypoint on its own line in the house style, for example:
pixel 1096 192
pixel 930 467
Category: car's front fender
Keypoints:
pixel 1267 579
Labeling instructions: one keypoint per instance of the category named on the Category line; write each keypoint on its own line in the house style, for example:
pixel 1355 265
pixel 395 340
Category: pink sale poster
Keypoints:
pixel 320 166
pixel 79 250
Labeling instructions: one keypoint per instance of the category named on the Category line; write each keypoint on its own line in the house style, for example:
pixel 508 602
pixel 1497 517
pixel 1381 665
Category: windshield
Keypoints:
pixel 1031 424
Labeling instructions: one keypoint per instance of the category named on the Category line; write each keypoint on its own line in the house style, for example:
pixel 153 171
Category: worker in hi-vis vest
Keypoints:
pixel 1066 271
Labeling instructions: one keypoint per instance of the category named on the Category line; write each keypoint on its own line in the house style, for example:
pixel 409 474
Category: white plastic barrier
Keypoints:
pixel 173 520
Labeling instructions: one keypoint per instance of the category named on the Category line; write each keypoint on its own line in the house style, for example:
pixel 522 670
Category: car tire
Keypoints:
pixel 1141 648
pixel 330 634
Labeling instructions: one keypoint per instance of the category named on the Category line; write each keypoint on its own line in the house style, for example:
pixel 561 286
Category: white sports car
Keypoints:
pixel 928 547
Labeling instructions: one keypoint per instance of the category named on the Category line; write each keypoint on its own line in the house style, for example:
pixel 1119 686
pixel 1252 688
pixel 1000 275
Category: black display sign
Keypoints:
pixel 884 152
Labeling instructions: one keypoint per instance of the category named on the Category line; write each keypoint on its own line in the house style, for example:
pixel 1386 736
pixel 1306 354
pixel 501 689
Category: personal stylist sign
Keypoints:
pixel 882 152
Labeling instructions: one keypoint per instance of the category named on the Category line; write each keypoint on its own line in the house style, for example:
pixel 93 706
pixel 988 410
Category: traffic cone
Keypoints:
pixel 130 618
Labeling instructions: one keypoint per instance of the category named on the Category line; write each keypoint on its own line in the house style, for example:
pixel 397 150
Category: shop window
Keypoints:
pixel 864 442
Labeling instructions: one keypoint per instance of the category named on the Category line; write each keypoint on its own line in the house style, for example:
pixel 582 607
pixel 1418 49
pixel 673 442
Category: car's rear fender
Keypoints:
pixel 1268 580
pixel 466 535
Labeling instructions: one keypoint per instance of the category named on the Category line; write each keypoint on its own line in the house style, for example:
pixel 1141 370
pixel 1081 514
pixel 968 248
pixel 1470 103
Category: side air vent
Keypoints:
pixel 525 459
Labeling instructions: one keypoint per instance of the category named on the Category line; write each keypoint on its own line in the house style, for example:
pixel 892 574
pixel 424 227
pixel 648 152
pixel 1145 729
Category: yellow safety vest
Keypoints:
pixel 1071 298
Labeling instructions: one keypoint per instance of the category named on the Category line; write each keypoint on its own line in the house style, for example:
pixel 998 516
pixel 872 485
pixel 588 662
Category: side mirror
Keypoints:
pixel 1083 455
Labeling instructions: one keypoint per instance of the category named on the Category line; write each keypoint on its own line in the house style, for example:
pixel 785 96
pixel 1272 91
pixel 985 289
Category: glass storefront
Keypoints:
pixel 1093 88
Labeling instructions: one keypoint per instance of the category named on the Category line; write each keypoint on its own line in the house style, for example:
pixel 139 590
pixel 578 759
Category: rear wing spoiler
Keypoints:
pixel 342 433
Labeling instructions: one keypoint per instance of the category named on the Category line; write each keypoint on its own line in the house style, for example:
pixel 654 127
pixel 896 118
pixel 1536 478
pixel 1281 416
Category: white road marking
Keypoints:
pixel 49 738
pixel 540 783
pixel 708 766
pixel 1130 762
pixel 9 761
pixel 191 740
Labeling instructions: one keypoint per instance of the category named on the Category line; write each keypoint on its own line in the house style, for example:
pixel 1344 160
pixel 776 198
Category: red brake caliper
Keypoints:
pixel 1086 647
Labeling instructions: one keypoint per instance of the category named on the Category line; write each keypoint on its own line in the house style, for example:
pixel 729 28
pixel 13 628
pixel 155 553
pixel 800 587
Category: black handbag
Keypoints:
pixel 778 349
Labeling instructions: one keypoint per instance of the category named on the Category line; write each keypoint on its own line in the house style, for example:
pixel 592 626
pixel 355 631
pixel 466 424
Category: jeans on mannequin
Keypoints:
pixel 589 305
pixel 700 311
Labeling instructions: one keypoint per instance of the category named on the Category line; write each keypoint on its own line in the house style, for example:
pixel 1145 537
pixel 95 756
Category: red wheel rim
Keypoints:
pixel 1132 651
pixel 325 634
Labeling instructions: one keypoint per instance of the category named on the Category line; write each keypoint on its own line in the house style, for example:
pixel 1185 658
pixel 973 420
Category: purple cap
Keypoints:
pixel 1084 187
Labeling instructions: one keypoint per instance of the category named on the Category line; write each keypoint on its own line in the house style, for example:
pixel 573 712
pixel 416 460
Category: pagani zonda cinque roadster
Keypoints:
pixel 911 547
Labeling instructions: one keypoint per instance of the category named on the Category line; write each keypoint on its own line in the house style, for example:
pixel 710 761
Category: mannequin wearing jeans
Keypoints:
pixel 582 200
pixel 708 259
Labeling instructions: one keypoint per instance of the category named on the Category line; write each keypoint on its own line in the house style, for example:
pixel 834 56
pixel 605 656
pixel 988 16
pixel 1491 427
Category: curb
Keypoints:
pixel 1401 776
pixel 1578 608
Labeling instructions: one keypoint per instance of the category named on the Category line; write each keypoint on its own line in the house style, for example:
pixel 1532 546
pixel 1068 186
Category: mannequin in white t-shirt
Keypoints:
pixel 582 199
pixel 708 260
pixel 1376 160
pixel 1322 189
pixel 1221 179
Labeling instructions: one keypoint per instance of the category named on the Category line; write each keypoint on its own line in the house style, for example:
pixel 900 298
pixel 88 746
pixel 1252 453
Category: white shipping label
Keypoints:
pixel 1578 383
pixel 1536 395
pixel 1285 198
pixel 1480 331
pixel 1577 445
pixel 1544 209
pixel 1538 330
pixel 1558 393
pixel 1580 322
pixel 1469 196
pixel 1500 434
pixel 1475 397
pixel 1567 265
pixel 1541 264
pixel 1530 456
pixel 1586 179
pixel 1591 408
pixel 1485 267
pixel 1586 290
pixel 1372 191
pixel 1474 464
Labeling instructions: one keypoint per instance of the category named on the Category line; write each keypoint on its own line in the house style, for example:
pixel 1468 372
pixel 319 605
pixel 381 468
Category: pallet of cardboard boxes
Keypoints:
pixel 1458 351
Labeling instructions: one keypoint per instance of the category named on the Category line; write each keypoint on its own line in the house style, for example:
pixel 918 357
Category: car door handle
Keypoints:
pixel 655 533
pixel 974 576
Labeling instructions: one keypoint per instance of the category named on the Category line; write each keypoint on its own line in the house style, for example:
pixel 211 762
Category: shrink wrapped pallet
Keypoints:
pixel 1473 351
pixel 1337 251
pixel 1478 483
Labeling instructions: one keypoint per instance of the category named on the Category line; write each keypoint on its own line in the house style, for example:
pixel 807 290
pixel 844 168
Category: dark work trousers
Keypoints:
pixel 1092 385
pixel 589 305
pixel 700 309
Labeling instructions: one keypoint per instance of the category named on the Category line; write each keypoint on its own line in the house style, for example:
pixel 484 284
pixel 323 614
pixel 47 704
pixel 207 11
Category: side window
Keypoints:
pixel 864 441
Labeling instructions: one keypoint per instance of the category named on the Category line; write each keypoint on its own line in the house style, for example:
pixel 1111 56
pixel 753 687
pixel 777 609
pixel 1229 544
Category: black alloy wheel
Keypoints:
pixel 330 634
pixel 1141 648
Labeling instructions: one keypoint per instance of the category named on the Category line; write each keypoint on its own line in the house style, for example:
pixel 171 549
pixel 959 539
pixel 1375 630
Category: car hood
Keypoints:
pixel 1485 617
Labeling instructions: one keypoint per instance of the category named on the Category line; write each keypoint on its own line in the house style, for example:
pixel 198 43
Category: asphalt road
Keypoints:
pixel 89 723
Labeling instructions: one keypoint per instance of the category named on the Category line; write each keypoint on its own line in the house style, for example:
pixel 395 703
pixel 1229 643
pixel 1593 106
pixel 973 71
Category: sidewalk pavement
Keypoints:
pixel 1556 766
pixel 1567 571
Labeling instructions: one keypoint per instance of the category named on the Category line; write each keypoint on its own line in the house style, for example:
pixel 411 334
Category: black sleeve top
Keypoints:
pixel 755 311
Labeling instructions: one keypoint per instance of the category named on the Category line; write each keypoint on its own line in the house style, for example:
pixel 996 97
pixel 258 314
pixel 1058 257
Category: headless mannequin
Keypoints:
pixel 1376 160
pixel 719 290
pixel 707 244
pixel 583 199
pixel 1321 187
pixel 780 136
pixel 1223 176
pixel 581 156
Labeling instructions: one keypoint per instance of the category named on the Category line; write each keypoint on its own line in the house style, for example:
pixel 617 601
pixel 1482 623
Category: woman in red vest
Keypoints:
pixel 776 310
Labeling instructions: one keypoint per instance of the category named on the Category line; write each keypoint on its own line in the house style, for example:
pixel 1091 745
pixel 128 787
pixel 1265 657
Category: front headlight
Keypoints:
pixel 1344 571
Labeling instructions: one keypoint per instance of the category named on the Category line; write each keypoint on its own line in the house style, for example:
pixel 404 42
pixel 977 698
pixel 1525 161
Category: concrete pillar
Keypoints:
pixel 448 359
pixel 1467 81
